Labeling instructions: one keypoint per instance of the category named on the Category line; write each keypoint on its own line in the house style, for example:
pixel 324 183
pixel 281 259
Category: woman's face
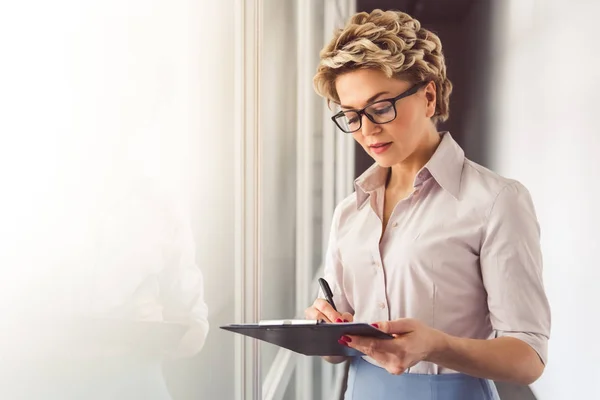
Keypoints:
pixel 393 142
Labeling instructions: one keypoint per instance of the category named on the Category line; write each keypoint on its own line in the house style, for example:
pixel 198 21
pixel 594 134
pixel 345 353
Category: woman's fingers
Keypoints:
pixel 370 347
pixel 325 308
pixel 322 310
pixel 313 313
pixel 385 352
pixel 398 326
pixel 322 317
pixel 347 317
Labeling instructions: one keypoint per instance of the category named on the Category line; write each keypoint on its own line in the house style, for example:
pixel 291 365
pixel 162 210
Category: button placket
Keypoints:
pixel 380 284
pixel 398 212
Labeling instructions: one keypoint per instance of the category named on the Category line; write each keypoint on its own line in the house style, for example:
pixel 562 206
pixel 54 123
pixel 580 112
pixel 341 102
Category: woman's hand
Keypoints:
pixel 413 342
pixel 322 310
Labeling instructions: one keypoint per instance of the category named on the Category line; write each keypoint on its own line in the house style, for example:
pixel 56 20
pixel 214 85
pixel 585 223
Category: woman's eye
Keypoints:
pixel 352 120
pixel 382 110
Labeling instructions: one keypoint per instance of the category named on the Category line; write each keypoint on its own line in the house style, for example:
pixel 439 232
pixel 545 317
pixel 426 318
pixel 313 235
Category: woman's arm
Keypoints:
pixel 511 266
pixel 503 359
pixel 511 269
pixel 334 275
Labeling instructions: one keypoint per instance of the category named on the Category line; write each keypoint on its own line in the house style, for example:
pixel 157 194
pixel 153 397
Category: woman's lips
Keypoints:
pixel 380 147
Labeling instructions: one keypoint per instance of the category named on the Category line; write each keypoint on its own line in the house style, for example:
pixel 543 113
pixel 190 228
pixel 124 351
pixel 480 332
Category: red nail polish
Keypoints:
pixel 340 341
pixel 339 320
pixel 375 325
pixel 346 320
pixel 346 339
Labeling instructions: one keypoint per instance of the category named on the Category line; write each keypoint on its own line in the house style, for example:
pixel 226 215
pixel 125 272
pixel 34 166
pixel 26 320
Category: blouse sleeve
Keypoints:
pixel 511 266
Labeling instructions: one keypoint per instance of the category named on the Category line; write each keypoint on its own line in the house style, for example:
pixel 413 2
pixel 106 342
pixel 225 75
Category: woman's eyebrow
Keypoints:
pixel 370 99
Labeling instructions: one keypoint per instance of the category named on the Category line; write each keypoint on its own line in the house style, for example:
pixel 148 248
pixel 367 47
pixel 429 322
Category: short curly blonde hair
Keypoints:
pixel 390 41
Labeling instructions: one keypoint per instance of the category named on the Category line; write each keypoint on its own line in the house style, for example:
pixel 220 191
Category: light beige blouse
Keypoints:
pixel 461 254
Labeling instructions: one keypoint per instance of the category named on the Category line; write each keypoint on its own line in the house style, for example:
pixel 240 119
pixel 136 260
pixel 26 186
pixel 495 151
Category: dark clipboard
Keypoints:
pixel 311 338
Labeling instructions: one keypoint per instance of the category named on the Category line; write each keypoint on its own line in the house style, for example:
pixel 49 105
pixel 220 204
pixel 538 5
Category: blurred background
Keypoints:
pixel 169 162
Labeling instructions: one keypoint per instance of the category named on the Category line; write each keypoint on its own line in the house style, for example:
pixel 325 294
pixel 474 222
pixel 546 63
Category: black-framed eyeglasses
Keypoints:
pixel 378 112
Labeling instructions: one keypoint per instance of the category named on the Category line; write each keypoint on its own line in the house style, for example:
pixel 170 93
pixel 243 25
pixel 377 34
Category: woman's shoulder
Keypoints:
pixel 346 208
pixel 485 185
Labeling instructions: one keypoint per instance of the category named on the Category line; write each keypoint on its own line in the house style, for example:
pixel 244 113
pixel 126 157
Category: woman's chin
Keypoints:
pixel 383 162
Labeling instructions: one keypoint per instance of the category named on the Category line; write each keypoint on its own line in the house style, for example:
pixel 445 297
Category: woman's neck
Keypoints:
pixel 402 175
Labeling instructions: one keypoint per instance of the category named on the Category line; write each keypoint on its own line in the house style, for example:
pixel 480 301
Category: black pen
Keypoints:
pixel 327 292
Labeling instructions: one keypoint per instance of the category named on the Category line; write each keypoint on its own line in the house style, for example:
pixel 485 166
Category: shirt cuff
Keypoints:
pixel 537 341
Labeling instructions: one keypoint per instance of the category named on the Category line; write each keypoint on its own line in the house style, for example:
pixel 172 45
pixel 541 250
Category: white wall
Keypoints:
pixel 546 135
pixel 95 91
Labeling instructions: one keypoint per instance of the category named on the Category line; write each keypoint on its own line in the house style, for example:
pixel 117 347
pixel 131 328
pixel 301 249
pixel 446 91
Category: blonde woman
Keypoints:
pixel 439 251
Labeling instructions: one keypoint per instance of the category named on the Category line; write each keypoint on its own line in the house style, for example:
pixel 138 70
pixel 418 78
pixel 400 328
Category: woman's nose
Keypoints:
pixel 368 127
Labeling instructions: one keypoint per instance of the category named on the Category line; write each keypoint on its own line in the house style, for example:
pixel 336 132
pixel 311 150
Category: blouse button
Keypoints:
pixel 395 224
pixel 381 305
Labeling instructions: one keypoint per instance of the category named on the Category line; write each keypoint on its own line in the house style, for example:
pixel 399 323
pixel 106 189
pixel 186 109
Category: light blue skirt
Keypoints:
pixel 369 382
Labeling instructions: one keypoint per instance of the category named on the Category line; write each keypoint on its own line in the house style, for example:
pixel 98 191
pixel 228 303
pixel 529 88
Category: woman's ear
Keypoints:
pixel 431 97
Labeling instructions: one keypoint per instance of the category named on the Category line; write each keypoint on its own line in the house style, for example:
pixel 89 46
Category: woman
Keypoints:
pixel 431 247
